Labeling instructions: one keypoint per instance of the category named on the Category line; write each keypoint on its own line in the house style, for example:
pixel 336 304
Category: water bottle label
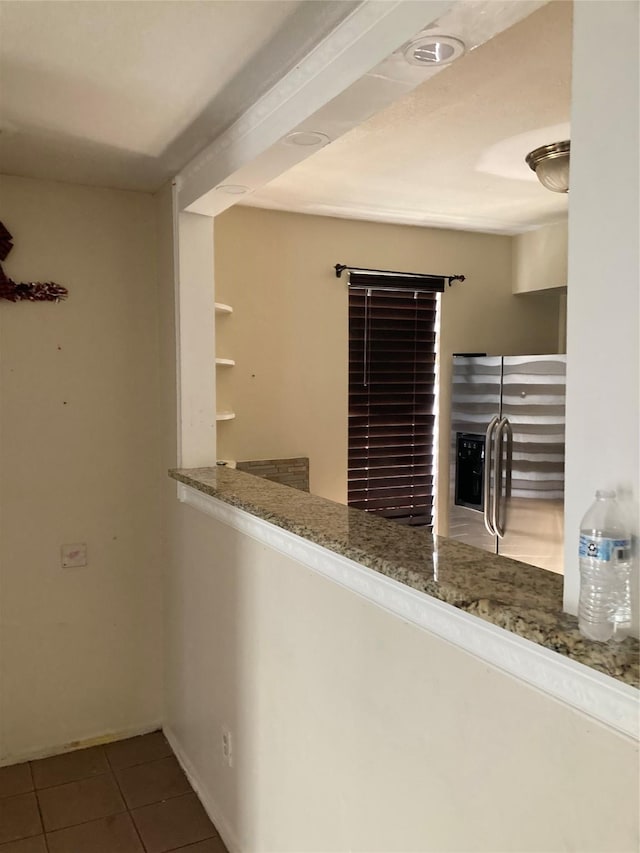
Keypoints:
pixel 600 548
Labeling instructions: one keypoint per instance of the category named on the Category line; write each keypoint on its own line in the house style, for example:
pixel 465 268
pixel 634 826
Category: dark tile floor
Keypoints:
pixel 125 797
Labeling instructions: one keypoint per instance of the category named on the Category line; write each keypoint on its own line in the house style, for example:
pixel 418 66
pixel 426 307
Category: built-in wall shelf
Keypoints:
pixel 223 309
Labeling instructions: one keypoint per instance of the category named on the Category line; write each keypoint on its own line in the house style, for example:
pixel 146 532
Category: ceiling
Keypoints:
pixel 451 152
pixel 124 94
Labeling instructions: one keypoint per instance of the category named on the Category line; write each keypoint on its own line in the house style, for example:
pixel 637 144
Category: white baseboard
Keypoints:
pixel 205 796
pixel 82 743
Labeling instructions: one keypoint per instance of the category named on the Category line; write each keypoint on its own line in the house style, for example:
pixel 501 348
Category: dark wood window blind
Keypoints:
pixel 392 360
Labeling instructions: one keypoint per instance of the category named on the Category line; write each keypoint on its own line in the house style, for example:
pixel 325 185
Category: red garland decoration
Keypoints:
pixel 6 242
pixel 33 291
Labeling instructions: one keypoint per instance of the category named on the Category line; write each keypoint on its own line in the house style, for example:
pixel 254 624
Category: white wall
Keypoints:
pixel 195 313
pixel 79 462
pixel 353 730
pixel 603 375
pixel 540 258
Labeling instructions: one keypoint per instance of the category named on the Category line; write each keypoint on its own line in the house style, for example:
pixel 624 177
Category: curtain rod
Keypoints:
pixel 340 268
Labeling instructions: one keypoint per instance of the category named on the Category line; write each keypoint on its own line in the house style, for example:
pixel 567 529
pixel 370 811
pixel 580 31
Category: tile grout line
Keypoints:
pixel 112 772
pixel 101 747
pixel 188 846
pixel 131 818
pixel 72 781
pixel 69 781
pixel 143 763
pixel 35 794
pixel 140 763
pixel 127 810
pixel 188 793
pixel 194 844
pixel 81 822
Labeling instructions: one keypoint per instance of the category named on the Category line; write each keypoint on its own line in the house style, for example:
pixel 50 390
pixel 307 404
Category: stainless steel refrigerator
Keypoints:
pixel 507 456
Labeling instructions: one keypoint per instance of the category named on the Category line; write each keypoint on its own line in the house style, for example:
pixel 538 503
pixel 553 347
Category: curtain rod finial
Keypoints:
pixel 340 268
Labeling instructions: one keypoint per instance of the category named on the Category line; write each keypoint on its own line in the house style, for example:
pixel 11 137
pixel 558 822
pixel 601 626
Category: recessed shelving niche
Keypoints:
pixel 222 309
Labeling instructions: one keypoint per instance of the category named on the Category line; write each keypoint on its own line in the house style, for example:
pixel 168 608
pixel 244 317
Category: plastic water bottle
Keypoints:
pixel 604 609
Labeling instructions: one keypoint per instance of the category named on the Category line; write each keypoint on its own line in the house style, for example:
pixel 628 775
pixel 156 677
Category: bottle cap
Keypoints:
pixel 603 494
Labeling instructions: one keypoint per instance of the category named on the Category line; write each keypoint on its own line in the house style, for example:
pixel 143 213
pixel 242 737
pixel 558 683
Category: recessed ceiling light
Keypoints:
pixel 306 138
pixel 233 189
pixel 431 49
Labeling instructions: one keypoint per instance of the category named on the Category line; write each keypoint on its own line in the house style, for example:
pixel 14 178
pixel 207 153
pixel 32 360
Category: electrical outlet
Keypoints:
pixel 74 556
pixel 227 747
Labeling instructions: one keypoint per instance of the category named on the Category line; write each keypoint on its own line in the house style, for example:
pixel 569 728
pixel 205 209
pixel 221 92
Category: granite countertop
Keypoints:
pixel 522 599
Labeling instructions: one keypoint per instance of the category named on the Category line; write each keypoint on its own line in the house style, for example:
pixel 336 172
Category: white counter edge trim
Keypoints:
pixel 595 694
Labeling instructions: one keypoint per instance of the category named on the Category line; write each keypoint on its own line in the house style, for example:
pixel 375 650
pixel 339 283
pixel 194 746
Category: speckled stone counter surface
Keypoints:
pixel 520 598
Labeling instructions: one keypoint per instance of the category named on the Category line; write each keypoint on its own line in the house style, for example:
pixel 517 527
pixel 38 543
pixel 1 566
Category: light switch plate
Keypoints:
pixel 74 555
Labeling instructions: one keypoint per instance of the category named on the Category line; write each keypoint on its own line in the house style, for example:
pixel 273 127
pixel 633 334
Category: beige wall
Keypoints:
pixel 288 332
pixel 79 431
pixel 353 730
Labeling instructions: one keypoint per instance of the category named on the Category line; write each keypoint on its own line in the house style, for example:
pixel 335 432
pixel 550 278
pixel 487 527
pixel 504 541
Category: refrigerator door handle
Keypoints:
pixel 488 446
pixel 504 428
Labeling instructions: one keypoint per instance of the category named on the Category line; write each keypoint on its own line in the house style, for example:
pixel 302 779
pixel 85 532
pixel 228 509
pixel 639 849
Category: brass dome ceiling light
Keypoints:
pixel 551 165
